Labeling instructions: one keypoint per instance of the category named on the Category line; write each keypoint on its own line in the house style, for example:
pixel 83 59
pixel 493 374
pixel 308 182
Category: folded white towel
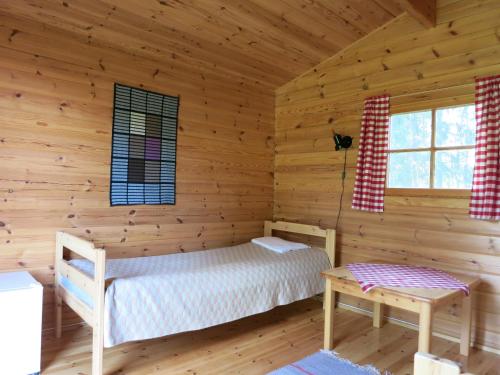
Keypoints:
pixel 279 245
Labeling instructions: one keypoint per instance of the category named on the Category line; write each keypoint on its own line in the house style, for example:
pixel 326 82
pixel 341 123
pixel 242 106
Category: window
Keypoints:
pixel 432 149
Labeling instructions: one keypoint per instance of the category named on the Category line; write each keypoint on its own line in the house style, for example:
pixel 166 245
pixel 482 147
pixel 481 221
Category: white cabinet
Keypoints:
pixel 20 323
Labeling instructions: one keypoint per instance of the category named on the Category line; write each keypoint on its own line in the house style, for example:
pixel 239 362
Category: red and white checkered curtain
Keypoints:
pixel 371 169
pixel 485 197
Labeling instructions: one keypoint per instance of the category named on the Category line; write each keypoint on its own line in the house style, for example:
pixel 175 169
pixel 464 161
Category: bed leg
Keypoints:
pixel 57 279
pixel 58 314
pixel 97 351
pixel 98 314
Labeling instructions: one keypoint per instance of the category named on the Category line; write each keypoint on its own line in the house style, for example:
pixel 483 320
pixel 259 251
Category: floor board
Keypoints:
pixel 256 345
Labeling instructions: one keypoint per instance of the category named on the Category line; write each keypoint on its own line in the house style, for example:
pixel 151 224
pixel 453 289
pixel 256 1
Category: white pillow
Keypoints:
pixel 279 245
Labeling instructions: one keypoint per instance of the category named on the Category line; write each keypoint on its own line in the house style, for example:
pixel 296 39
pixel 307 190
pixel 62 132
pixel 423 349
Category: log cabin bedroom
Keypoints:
pixel 257 187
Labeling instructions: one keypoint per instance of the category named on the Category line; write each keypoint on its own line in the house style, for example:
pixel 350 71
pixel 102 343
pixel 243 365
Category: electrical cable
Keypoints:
pixel 342 191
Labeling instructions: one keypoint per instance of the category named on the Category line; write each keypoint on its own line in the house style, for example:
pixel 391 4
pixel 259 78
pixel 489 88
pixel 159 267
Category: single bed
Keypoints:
pixel 147 297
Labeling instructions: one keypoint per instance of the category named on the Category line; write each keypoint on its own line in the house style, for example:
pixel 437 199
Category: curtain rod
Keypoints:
pixel 433 90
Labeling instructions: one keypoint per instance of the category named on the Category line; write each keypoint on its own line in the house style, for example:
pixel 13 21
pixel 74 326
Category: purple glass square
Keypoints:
pixel 153 150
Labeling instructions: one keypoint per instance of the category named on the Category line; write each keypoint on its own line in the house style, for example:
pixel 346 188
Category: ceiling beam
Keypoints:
pixel 424 11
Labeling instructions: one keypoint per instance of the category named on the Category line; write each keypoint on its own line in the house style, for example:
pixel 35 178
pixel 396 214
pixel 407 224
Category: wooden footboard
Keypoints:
pixel 94 287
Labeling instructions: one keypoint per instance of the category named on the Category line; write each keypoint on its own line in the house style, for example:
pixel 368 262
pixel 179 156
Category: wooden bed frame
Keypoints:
pixel 96 287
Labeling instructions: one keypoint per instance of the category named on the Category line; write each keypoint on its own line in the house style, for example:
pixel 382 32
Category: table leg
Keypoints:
pixel 425 328
pixel 466 325
pixel 378 314
pixel 329 315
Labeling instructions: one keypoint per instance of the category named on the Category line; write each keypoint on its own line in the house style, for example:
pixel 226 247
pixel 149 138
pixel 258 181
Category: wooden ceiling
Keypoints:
pixel 271 41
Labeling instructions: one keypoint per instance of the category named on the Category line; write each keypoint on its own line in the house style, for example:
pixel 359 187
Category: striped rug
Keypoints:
pixel 325 363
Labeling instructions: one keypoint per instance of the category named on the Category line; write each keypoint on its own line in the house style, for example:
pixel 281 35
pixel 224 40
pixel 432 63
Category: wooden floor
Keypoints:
pixel 257 345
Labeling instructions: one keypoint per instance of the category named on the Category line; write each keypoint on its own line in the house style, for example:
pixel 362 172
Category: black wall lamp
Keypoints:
pixel 342 141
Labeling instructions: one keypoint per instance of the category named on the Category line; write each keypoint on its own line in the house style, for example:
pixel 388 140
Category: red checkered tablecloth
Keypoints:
pixel 372 275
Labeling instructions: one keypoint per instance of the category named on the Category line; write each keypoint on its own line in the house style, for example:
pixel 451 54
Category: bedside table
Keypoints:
pixel 20 323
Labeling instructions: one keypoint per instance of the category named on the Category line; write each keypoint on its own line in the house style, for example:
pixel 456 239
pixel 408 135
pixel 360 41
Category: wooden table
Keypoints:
pixel 419 300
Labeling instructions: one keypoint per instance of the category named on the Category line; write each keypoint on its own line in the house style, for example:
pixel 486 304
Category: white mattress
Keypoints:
pixel 162 295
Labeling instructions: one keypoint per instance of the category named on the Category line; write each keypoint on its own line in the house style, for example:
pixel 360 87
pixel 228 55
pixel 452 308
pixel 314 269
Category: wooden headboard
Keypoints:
pixel 310 230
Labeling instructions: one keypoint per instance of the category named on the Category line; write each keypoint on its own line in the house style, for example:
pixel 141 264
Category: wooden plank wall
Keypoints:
pixel 431 67
pixel 56 97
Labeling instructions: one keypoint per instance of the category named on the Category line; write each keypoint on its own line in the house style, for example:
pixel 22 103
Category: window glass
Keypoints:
pixel 444 137
pixel 410 130
pixel 455 126
pixel 453 169
pixel 409 169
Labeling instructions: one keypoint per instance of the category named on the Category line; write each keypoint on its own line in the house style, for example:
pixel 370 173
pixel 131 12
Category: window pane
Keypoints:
pixel 410 130
pixel 455 126
pixel 454 169
pixel 409 169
